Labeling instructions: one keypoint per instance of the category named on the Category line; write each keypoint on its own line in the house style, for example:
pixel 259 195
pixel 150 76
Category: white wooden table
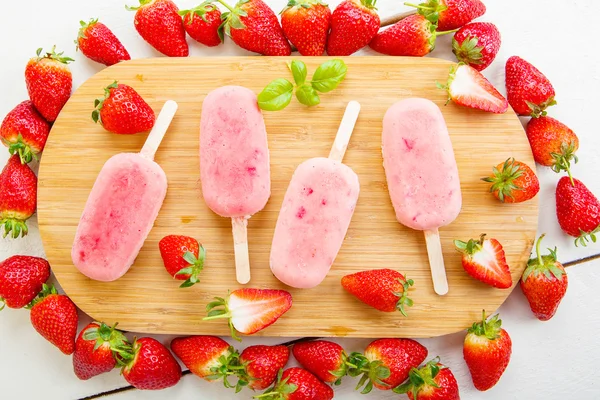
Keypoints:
pixel 550 360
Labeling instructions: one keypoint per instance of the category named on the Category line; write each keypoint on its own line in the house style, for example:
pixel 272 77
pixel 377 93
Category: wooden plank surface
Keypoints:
pixel 146 299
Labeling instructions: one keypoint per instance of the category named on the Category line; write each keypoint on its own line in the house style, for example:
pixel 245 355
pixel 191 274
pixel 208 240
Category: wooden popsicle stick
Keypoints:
pixel 240 247
pixel 436 262
pixel 161 125
pixel 340 145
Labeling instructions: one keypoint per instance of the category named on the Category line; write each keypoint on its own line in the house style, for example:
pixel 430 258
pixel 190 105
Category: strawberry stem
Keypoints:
pixel 446 32
pixel 537 249
pixel 226 5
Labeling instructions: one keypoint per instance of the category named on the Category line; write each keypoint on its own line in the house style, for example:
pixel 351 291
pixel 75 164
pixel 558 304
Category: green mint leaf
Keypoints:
pixel 307 95
pixel 276 96
pixel 299 72
pixel 329 75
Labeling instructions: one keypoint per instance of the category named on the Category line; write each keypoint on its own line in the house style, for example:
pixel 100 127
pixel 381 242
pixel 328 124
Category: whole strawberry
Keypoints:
pixel 384 289
pixel 123 110
pixel 148 365
pixel 183 258
pixel 18 197
pixel 477 44
pixel 484 260
pixel 326 360
pixel 159 23
pixel 93 350
pixel 354 23
pixel 553 144
pixel 21 279
pixel 544 283
pixel 49 82
pixel 24 131
pixel 513 182
pixel 253 26
pixel 298 384
pixel 207 357
pixel 451 14
pixel 487 351
pixel 529 92
pixel 577 210
pixel 260 366
pixel 433 381
pixel 202 24
pixel 386 363
pixel 99 44
pixel 413 36
pixel 306 25
pixel 54 316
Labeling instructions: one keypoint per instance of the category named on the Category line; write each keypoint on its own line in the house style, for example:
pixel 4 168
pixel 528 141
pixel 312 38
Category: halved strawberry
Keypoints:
pixel 250 310
pixel 484 260
pixel 468 87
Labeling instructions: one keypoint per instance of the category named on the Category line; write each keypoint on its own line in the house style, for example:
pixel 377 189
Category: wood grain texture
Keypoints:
pixel 146 299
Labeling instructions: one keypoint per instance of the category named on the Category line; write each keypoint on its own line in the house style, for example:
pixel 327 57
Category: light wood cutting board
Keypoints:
pixel 146 299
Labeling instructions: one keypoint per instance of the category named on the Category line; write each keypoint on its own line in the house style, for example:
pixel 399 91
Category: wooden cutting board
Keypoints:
pixel 146 299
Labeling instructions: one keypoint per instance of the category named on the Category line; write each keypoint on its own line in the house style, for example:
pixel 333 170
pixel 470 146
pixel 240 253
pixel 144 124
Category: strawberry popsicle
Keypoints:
pixel 234 163
pixel 121 208
pixel 422 174
pixel 316 213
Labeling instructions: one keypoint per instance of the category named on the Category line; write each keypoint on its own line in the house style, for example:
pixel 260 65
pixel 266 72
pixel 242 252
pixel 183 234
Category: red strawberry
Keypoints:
pixel 123 110
pixel 451 14
pixel 49 82
pixel 354 23
pixel 487 351
pixel 54 316
pixel 433 381
pixel 544 283
pixel 253 26
pixel 207 357
pixel 529 92
pixel 306 25
pixel 553 143
pixel 383 289
pixel 297 384
pixel 99 44
pixel 326 360
pixel 250 310
pixel 261 365
pixel 93 350
pixel 468 87
pixel 24 131
pixel 18 197
pixel 159 23
pixel 148 365
pixel 485 261
pixel 386 363
pixel 477 44
pixel 202 24
pixel 513 182
pixel 412 36
pixel 577 210
pixel 21 279
pixel 183 258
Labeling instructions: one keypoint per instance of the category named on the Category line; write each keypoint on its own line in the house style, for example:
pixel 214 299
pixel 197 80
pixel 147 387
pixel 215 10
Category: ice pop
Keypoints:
pixel 234 163
pixel 315 214
pixel 422 174
pixel 121 208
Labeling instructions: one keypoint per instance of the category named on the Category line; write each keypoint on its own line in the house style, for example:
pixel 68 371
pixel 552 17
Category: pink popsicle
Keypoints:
pixel 121 208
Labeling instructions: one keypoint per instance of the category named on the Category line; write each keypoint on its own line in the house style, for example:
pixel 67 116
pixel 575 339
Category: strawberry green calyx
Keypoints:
pixel 543 264
pixel 218 309
pixel 231 18
pixel 430 9
pixel 539 110
pixel 26 153
pixel 421 377
pixel 586 237
pixel 47 290
pixel 280 390
pixel 371 371
pixel 370 4
pixel 403 299
pixel 488 328
pixel 195 268
pixel 302 3
pixel 199 11
pixel 471 247
pixel 14 227
pixel 343 369
pixel 503 181
pixel 142 4
pixel 562 160
pixel 98 103
pixel 53 55
pixel 105 334
pixel 83 29
pixel 227 365
pixel 468 51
